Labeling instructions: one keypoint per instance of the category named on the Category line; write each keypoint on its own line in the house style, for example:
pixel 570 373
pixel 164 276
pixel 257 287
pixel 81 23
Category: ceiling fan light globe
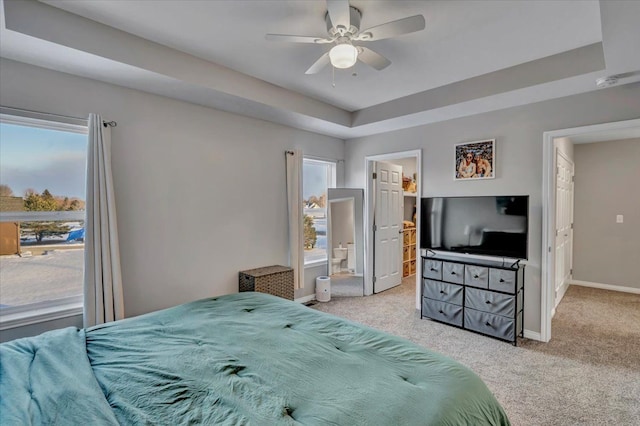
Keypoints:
pixel 343 56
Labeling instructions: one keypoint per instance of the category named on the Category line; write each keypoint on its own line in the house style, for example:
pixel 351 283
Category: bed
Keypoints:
pixel 241 359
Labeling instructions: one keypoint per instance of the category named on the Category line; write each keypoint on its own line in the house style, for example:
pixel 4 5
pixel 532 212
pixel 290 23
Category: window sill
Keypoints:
pixel 315 264
pixel 40 314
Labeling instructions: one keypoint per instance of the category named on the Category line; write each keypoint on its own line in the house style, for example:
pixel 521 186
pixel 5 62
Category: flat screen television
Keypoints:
pixel 483 225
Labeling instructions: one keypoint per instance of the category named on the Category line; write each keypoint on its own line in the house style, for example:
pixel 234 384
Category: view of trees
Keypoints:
pixel 44 202
pixel 310 236
pixel 5 191
pixel 310 232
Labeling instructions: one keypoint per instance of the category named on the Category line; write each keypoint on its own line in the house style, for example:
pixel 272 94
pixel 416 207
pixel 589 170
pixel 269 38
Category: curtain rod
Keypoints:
pixel 313 157
pixel 48 114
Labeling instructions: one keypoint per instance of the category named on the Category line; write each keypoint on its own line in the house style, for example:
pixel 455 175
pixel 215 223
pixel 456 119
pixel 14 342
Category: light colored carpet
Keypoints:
pixel 589 374
pixel 347 285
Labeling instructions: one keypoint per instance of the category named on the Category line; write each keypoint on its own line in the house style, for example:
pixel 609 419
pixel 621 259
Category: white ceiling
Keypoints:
pixel 461 39
pixel 473 56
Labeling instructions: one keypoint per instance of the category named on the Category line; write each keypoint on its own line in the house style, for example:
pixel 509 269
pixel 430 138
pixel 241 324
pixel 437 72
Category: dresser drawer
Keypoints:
pixel 502 280
pixel 488 301
pixel 441 311
pixel 432 269
pixel 476 276
pixel 493 325
pixel 453 272
pixel 442 291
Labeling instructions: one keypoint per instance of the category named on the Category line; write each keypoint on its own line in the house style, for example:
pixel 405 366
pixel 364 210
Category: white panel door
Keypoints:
pixel 564 225
pixel 388 214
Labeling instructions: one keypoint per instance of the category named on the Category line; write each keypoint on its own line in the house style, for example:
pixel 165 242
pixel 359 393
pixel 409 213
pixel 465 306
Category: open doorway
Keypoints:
pixel 584 235
pixel 407 260
pixel 345 236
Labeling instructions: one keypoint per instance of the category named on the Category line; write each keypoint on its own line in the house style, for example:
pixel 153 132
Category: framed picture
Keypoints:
pixel 475 160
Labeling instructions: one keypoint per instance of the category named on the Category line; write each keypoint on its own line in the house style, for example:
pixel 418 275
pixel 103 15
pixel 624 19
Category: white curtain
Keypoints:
pixel 103 297
pixel 294 203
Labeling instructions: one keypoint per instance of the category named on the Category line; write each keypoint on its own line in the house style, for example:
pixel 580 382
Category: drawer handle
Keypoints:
pixel 453 273
pixel 441 311
pixel 433 269
pixel 442 292
pixel 501 280
pixel 475 276
pixel 487 324
pixel 488 302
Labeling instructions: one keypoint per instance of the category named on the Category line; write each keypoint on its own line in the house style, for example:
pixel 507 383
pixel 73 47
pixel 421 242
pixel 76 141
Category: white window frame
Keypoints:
pixel 331 183
pixel 38 312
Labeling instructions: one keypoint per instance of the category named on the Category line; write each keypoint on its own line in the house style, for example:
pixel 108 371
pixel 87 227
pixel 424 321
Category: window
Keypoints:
pixel 42 212
pixel 317 176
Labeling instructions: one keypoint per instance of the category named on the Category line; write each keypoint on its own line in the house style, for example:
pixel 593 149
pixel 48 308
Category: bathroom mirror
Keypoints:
pixel 345 241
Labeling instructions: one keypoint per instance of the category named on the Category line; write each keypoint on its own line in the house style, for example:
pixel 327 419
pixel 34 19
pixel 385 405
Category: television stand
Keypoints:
pixel 483 296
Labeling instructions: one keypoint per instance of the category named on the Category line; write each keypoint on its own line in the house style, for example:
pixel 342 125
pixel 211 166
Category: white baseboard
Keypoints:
pixel 606 286
pixel 305 299
pixel 533 335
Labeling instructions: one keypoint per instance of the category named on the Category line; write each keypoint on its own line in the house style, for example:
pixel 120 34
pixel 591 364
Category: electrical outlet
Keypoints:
pixel 619 218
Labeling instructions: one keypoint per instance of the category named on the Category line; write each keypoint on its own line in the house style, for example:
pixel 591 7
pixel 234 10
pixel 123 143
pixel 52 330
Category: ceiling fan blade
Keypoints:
pixel 339 13
pixel 297 39
pixel 322 62
pixel 373 59
pixel 392 29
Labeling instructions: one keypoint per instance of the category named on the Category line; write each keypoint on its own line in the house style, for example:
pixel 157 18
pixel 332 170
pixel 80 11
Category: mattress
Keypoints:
pixel 241 359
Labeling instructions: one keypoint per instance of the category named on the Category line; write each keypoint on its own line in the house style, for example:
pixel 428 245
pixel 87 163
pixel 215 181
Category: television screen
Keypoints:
pixel 485 225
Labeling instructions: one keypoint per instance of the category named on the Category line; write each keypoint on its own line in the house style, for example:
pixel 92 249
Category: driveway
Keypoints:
pixel 50 276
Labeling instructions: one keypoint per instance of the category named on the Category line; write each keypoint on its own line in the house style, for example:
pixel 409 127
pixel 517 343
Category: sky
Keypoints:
pixel 314 180
pixel 32 157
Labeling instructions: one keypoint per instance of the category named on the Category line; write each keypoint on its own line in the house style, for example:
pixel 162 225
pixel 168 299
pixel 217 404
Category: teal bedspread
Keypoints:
pixel 47 380
pixel 242 359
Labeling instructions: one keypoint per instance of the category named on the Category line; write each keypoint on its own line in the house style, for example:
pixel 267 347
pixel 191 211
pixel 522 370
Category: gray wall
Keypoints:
pixel 342 224
pixel 518 132
pixel 607 178
pixel 200 193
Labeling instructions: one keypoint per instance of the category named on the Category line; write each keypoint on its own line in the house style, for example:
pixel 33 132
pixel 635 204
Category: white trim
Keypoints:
pixel 368 215
pixel 35 315
pixel 548 213
pixel 22 118
pixel 305 299
pixel 332 178
pixel 610 287
pixel 533 335
pixel 39 216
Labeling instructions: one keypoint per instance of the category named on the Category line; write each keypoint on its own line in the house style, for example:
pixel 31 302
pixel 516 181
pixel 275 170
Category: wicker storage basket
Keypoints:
pixel 276 280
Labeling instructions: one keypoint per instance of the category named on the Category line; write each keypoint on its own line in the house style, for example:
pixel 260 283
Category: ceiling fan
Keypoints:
pixel 343 27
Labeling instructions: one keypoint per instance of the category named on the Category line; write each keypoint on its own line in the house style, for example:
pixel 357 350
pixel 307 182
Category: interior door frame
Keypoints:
pixel 557 297
pixel 369 209
pixel 547 283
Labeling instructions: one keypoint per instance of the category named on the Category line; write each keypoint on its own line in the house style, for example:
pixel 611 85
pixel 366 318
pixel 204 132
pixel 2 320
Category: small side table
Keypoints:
pixel 276 280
